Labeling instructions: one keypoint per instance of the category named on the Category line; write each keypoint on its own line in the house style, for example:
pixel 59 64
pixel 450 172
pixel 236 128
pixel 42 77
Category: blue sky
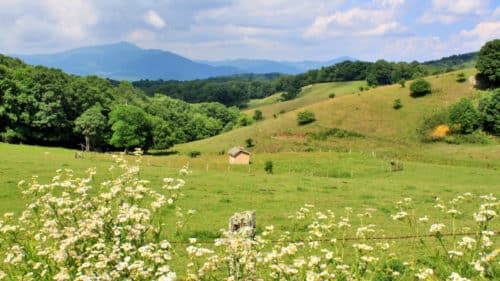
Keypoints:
pixel 268 29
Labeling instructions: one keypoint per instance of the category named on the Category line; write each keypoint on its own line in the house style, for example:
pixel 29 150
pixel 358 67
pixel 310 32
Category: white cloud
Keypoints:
pixel 382 29
pixel 142 37
pixel 443 18
pixel 73 18
pixel 152 18
pixel 357 21
pixel 496 13
pixel 459 7
pixel 484 31
pixel 450 11
pixel 389 3
pixel 45 25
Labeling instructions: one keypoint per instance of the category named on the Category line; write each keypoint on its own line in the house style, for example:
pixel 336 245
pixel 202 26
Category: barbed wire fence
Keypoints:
pixel 329 240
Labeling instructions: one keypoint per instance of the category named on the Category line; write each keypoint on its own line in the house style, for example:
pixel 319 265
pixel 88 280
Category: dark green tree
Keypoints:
pixel 201 126
pixel 463 117
pixel 379 73
pixel 488 63
pixel 420 87
pixel 489 112
pixel 92 125
pixel 131 127
pixel 162 133
pixel 249 142
pixel 257 115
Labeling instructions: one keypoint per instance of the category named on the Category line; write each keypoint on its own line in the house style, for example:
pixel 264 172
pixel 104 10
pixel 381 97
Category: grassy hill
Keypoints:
pixel 370 113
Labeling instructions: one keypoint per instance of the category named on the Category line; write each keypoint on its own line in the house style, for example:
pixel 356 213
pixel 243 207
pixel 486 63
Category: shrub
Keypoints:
pixel 402 82
pixel 429 122
pixel 461 77
pixel 243 121
pixel 305 117
pixel 332 95
pixel 420 87
pixel 249 142
pixel 268 167
pixel 194 153
pixel 440 132
pixel 397 104
pixel 257 115
pixel 463 117
pixel 474 138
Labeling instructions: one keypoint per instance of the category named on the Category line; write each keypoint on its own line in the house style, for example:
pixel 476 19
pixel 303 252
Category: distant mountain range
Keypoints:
pixel 268 66
pixel 125 61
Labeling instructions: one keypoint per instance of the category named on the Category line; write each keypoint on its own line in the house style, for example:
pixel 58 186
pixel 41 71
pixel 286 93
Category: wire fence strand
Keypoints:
pixel 405 237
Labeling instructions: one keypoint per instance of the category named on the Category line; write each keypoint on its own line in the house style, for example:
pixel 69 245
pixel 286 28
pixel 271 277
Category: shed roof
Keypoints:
pixel 237 150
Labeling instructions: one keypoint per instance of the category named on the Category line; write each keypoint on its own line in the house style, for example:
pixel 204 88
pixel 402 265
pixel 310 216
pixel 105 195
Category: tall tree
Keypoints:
pixel 489 112
pixel 488 63
pixel 131 127
pixel 91 124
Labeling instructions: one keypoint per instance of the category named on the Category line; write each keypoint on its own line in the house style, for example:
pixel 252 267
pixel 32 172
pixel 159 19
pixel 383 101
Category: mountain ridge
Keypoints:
pixel 126 61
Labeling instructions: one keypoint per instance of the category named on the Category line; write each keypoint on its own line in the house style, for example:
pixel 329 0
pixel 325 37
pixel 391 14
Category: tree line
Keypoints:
pixel 238 90
pixel 46 106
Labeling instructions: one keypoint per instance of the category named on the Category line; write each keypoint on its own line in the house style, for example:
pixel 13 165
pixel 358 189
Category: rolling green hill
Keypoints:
pixel 369 113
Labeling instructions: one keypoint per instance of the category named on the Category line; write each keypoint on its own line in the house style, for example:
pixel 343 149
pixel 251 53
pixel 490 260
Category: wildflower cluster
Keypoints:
pixel 73 230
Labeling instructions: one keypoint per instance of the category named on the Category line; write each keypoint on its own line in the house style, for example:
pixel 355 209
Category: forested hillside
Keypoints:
pixel 454 62
pixel 229 90
pixel 238 90
pixel 45 106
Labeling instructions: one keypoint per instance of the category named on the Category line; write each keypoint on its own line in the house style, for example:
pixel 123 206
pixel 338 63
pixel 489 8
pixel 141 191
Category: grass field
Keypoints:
pixel 330 180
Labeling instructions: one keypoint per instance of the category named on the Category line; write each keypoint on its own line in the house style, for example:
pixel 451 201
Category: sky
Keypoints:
pixel 293 30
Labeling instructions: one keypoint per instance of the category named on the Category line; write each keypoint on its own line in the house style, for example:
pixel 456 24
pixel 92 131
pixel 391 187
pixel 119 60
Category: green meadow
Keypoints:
pixel 329 180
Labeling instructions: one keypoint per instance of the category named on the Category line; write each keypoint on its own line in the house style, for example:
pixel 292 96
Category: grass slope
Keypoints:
pixel 330 180
pixel 388 131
